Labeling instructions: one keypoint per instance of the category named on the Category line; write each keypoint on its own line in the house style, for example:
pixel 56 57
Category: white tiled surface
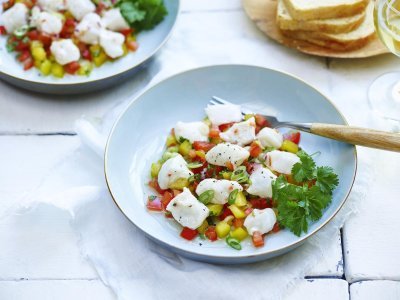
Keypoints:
pixel 39 258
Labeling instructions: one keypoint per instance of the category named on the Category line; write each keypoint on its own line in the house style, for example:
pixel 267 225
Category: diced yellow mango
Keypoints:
pixel 240 199
pixel 289 146
pixel 215 209
pixel 185 147
pixel 239 233
pixel 203 227
pixel 237 212
pixel 57 70
pixel 100 59
pixel 179 184
pixel 201 154
pixel 222 229
pixel 39 53
pixel 85 68
pixel 45 67
pixel 171 140
pixel 36 44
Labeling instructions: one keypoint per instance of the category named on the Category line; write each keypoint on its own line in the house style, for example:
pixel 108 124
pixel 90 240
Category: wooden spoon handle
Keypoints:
pixel 359 136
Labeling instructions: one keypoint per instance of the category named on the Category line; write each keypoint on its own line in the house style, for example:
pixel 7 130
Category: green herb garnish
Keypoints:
pixel 298 205
pixel 142 14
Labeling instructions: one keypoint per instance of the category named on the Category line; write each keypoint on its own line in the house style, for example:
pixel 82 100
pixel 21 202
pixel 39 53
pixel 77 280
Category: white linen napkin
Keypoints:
pixel 137 268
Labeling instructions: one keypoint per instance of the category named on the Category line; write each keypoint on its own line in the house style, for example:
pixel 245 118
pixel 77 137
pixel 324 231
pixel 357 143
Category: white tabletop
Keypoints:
pixel 39 258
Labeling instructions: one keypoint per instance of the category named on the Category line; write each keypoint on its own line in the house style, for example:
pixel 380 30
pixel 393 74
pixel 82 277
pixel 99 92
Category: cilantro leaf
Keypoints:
pixel 142 14
pixel 327 180
pixel 131 12
pixel 303 170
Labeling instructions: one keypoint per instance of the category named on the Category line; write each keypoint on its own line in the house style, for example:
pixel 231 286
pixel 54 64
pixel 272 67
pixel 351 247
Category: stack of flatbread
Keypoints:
pixel 335 24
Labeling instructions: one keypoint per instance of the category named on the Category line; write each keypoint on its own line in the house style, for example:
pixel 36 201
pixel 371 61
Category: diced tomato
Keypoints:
pixel 154 185
pixel 261 121
pixel 200 169
pixel 205 146
pixel 230 166
pixel 22 46
pixel 24 56
pixel 255 149
pixel 258 240
pixel 28 64
pixel 45 39
pixel 226 212
pixel 188 234
pixel 3 30
pixel 276 228
pixel 192 153
pixel 8 4
pixel 166 198
pixel 214 132
pixel 68 28
pixel 211 234
pixel 194 185
pixel 260 203
pixel 237 222
pixel 224 127
pixel 33 35
pixel 249 167
pixel 126 32
pixel 100 7
pixel 86 54
pixel 72 67
pixel 155 204
pixel 168 215
pixel 132 45
pixel 293 136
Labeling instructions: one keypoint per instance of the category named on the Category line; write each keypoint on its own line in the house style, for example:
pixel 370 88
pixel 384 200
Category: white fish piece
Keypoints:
pixel 269 137
pixel 241 133
pixel 15 17
pixel 65 51
pixel 223 153
pixel 222 189
pixel 187 210
pixel 34 18
pixel 112 19
pixel 173 169
pixel 52 5
pixel 88 30
pixel 261 220
pixel 261 182
pixel 112 43
pixel 80 8
pixel 281 161
pixel 223 114
pixel 192 131
pixel 49 23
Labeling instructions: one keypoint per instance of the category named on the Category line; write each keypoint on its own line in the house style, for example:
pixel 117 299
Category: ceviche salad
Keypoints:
pixel 229 177
pixel 73 36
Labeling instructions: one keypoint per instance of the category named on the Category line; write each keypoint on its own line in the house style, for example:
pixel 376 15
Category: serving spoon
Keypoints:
pixel 349 134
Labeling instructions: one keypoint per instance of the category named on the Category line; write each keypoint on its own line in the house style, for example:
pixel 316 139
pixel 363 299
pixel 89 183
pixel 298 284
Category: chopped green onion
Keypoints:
pixel 194 165
pixel 234 243
pixel 173 149
pixel 193 178
pixel 182 139
pixel 152 198
pixel 206 196
pixel 202 236
pixel 232 196
pixel 167 155
pixel 240 175
pixel 20 32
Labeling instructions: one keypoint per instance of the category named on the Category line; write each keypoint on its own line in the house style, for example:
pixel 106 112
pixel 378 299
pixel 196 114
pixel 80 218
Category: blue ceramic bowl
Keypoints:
pixel 109 74
pixel 138 138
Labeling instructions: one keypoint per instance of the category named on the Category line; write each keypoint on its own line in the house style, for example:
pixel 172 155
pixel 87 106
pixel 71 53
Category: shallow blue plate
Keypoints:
pixel 109 74
pixel 138 137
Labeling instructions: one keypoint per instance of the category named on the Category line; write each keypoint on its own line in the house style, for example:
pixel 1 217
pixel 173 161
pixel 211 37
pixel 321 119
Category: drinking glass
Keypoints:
pixel 384 92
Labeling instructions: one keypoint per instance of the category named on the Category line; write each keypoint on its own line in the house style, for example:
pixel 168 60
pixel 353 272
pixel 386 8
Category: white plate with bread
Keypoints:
pixel 331 28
